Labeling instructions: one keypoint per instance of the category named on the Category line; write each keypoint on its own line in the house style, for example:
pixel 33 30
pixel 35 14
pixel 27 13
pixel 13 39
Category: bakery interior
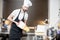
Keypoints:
pixel 43 20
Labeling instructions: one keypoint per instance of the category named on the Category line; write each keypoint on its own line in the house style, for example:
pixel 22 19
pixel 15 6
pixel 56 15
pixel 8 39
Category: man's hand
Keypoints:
pixel 17 23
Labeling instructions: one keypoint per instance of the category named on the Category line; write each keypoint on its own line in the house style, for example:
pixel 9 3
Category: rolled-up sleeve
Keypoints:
pixel 13 13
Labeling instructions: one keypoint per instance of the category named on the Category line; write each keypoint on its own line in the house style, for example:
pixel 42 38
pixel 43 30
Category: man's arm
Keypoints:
pixel 10 17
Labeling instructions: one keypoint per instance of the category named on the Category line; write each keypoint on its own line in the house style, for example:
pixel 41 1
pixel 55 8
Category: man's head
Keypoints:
pixel 25 8
pixel 26 4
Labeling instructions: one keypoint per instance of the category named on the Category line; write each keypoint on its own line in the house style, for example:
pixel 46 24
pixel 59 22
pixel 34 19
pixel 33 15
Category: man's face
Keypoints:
pixel 25 8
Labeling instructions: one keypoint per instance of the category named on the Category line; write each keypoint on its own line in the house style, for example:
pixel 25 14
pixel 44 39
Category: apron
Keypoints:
pixel 15 32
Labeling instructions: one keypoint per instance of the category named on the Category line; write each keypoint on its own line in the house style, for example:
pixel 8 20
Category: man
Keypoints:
pixel 15 17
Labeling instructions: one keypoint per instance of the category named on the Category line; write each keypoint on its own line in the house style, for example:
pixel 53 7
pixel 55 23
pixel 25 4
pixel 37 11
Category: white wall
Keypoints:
pixel 59 4
pixel 1 11
pixel 53 11
pixel 1 7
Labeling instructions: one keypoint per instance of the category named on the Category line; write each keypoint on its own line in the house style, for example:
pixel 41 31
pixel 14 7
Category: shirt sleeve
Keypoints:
pixel 26 16
pixel 13 13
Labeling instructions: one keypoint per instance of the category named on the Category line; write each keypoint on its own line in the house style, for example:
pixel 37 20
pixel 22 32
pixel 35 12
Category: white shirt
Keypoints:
pixel 16 12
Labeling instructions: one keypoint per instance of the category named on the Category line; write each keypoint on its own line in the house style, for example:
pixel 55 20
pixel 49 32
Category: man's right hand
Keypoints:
pixel 16 22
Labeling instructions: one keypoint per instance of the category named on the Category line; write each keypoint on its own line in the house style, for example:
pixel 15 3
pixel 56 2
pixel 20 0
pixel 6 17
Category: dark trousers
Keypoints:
pixel 58 37
pixel 15 33
pixel 5 36
pixel 14 38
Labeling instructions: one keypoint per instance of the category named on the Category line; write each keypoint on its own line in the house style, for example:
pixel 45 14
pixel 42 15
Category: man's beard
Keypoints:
pixel 25 10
